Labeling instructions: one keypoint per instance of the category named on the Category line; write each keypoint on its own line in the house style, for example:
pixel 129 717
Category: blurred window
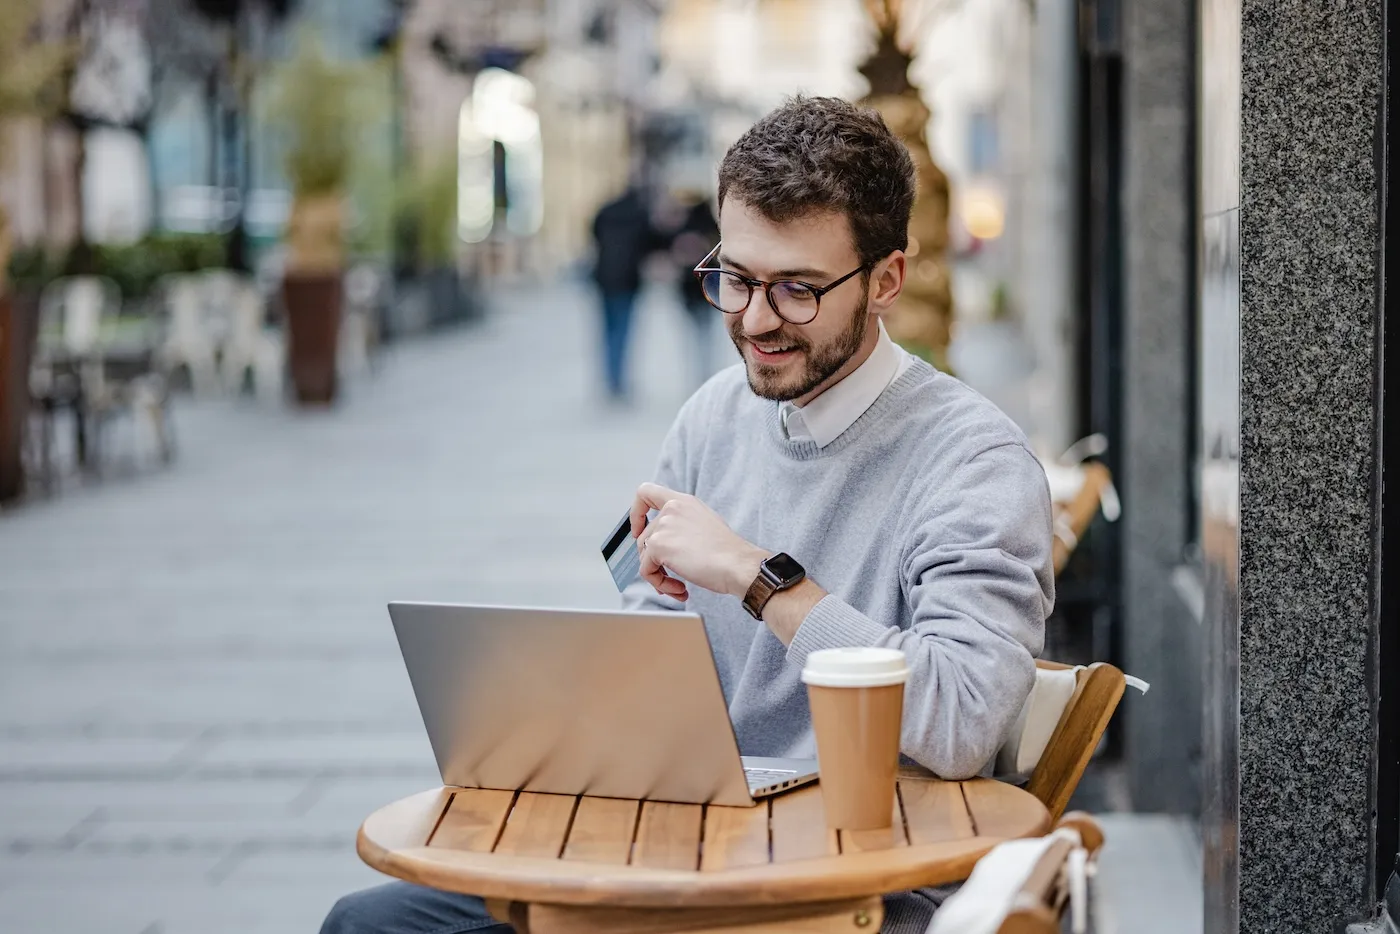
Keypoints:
pixel 984 144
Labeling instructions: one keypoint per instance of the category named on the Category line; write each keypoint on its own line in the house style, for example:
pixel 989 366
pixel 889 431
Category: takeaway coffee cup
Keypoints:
pixel 857 698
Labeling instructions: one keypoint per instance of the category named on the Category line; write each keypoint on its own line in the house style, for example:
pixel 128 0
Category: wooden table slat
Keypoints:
pixel 799 826
pixel 668 836
pixel 537 825
pixel 934 811
pixel 993 813
pixel 886 838
pixel 602 831
pixel 735 837
pixel 806 866
pixel 409 822
pixel 473 820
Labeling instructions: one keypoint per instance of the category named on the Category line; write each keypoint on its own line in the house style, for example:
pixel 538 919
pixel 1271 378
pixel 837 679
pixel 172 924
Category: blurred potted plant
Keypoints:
pixel 314 102
pixel 31 84
pixel 429 210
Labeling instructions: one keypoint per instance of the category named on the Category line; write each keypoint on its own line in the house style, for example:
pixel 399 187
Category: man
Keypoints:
pixel 920 516
pixel 690 243
pixel 623 237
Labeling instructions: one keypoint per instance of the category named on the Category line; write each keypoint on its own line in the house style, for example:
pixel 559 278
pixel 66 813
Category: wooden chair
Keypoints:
pixel 1096 695
pixel 1041 902
pixel 1025 886
pixel 1073 515
pixel 1057 732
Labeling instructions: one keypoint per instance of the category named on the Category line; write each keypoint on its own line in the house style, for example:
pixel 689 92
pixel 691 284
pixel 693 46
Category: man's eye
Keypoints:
pixel 795 291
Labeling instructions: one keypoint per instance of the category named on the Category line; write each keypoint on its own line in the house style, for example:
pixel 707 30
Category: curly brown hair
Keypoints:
pixel 825 154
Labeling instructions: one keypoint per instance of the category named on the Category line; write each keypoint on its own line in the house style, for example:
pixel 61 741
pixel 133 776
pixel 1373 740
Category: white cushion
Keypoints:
pixel 989 894
pixel 1026 743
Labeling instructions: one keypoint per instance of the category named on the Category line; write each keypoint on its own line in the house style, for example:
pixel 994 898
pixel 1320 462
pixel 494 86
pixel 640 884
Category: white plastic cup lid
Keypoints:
pixel 855 667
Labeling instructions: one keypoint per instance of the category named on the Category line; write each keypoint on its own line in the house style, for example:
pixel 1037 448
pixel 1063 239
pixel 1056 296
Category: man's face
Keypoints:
pixel 788 361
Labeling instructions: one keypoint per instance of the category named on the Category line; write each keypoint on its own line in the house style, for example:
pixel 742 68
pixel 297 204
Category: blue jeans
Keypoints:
pixel 404 908
pixel 401 908
pixel 617 328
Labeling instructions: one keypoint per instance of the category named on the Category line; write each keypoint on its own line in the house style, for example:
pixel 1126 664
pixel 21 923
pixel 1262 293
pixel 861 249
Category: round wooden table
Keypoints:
pixel 560 863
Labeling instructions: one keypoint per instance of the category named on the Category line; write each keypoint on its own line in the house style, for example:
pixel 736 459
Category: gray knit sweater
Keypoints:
pixel 928 523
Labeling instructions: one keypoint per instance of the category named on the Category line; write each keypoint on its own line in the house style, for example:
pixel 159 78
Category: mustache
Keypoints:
pixel 777 335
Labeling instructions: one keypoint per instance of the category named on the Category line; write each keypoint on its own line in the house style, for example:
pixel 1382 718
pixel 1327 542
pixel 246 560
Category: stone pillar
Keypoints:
pixel 1161 634
pixel 1291 247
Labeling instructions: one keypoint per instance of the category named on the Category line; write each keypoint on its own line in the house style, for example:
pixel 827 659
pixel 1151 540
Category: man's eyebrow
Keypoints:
pixel 726 260
pixel 800 272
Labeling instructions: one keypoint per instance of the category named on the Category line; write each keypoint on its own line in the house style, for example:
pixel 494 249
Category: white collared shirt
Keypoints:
pixel 826 417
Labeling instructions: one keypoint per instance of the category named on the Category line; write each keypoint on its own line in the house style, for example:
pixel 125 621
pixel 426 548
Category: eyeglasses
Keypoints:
pixel 794 301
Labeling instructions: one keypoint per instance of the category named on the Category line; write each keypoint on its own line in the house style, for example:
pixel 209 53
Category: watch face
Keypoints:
pixel 783 567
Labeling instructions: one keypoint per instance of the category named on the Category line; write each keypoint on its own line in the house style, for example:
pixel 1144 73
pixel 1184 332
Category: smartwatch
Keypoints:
pixel 776 573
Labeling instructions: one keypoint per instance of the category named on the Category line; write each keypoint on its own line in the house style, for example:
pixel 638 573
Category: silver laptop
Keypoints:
pixel 614 704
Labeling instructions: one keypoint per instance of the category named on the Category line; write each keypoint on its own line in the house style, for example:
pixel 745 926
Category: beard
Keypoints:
pixel 818 364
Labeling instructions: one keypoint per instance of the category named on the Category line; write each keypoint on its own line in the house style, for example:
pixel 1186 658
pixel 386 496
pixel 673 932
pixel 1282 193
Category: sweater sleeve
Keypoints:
pixel 978 575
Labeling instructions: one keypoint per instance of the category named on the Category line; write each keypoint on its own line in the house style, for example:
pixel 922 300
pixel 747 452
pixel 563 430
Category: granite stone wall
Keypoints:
pixel 1299 237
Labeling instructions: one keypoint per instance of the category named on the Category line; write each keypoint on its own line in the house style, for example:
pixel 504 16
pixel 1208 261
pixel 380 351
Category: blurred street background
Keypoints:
pixel 202 695
pixel 301 312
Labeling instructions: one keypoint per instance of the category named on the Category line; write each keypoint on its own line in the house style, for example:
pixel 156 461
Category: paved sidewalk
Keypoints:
pixel 200 694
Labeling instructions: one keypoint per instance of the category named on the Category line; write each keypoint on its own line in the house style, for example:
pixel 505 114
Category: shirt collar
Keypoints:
pixel 826 417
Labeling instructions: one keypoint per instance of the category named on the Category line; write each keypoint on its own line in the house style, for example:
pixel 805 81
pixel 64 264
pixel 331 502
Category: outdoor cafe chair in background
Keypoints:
pixel 85 362
pixel 1079 490
pixel 1026 886
pixel 365 285
pixel 251 347
pixel 217 334
pixel 71 311
pixel 191 341
pixel 1060 727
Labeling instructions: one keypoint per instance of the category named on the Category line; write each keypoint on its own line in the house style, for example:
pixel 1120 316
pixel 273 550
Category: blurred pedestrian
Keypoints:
pixel 623 236
pixel 691 242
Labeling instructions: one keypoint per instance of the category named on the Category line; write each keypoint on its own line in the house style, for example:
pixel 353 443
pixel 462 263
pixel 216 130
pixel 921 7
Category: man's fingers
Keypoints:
pixel 656 495
pixel 649 496
pixel 650 571
pixel 638 517
pixel 653 573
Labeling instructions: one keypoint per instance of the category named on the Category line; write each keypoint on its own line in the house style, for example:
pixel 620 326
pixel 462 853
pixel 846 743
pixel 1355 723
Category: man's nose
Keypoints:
pixel 759 316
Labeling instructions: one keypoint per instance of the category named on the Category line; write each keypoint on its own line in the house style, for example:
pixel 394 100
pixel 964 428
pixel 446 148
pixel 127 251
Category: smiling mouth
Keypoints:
pixel 773 352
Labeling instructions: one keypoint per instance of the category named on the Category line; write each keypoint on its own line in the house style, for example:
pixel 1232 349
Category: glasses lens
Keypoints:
pixel 796 302
pixel 726 291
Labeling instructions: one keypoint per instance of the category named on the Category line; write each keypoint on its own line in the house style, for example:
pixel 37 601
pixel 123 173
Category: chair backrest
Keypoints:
pixel 184 306
pixel 1098 689
pixel 221 290
pixel 74 306
pixel 1074 513
pixel 1024 886
pixel 1042 899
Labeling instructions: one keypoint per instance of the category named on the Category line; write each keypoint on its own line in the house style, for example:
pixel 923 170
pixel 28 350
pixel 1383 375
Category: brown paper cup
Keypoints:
pixel 857 701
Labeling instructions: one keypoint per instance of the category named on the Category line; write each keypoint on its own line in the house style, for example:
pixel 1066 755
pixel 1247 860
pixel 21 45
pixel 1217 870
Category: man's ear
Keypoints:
pixel 887 281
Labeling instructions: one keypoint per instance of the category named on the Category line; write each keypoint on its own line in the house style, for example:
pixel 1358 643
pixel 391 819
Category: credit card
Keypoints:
pixel 620 552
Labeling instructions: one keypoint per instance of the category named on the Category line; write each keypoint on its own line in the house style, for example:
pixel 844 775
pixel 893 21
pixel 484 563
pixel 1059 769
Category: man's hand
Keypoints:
pixel 690 541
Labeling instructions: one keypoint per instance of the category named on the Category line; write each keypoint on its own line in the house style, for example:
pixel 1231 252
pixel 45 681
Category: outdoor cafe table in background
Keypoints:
pixel 559 863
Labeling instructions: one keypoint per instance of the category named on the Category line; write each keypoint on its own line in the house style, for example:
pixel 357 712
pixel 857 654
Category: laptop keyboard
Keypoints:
pixel 762 778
